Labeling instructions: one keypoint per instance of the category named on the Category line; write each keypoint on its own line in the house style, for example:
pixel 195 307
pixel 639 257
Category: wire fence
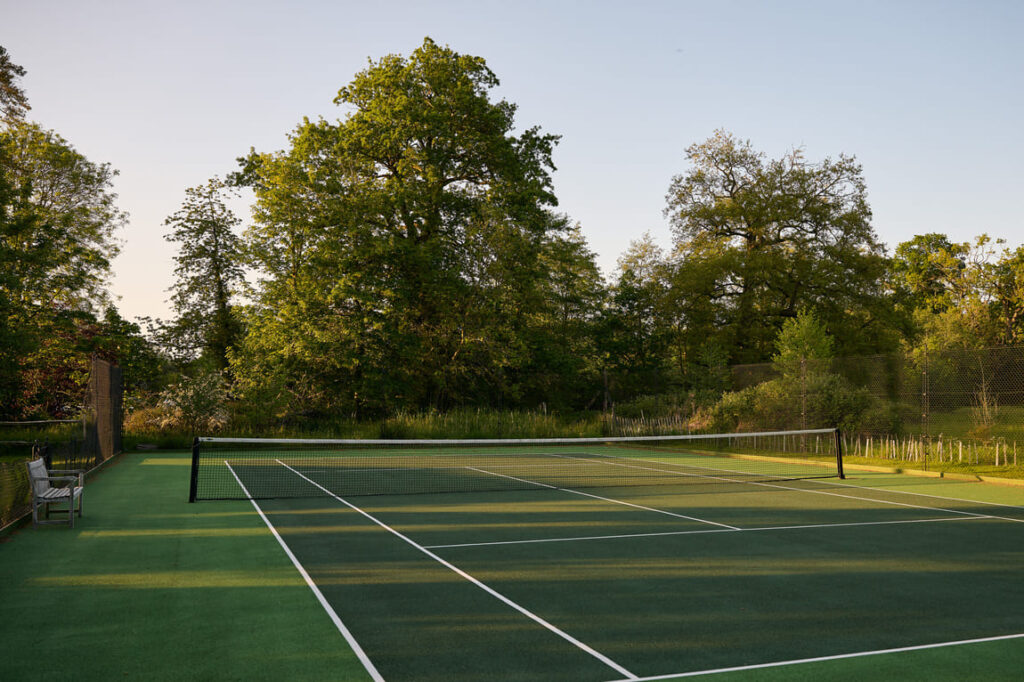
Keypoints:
pixel 64 444
pixel 949 410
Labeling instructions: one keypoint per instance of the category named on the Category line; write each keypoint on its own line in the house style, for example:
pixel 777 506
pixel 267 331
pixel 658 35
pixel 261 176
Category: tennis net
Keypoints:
pixel 266 468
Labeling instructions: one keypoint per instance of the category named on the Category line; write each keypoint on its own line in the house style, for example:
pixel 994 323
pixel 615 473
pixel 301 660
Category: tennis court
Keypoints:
pixel 571 562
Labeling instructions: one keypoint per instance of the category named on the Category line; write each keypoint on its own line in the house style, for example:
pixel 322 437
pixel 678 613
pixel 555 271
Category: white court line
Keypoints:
pixel 609 499
pixel 358 650
pixel 513 478
pixel 809 491
pixel 491 591
pixel 622 461
pixel 818 659
pixel 710 530
pixel 937 497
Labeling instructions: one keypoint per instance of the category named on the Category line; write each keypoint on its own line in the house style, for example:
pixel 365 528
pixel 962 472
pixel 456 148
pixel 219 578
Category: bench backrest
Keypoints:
pixel 38 476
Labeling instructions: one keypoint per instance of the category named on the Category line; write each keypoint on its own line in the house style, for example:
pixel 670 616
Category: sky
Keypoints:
pixel 928 96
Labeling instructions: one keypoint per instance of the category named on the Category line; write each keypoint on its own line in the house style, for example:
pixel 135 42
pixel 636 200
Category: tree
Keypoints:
pixel 960 295
pixel 759 239
pixel 929 270
pixel 638 331
pixel 1007 286
pixel 14 222
pixel 399 249
pixel 208 272
pixel 802 339
pixel 57 225
pixel 560 326
pixel 61 226
pixel 13 102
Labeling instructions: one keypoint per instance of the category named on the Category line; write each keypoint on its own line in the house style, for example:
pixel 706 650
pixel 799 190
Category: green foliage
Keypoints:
pixel 62 222
pixel 196 404
pixel 652 407
pixel 961 295
pixel 408 256
pixel 802 341
pixel 708 375
pixel 820 401
pixel 806 392
pixel 636 332
pixel 13 102
pixel 57 224
pixel 928 269
pixel 208 272
pixel 758 240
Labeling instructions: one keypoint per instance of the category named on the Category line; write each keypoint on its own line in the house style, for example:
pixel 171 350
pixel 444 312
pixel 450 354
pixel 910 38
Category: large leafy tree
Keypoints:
pixel 402 248
pixel 961 294
pixel 14 222
pixel 638 325
pixel 759 239
pixel 57 223
pixel 1007 286
pixel 929 271
pixel 66 215
pixel 208 272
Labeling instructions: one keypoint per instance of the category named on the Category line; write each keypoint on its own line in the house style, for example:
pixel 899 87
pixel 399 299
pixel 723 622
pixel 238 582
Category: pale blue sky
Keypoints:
pixel 929 96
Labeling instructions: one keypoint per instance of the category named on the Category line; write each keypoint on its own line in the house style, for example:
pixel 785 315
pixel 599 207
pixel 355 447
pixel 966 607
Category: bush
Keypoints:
pixel 196 404
pixel 817 401
pixel 144 420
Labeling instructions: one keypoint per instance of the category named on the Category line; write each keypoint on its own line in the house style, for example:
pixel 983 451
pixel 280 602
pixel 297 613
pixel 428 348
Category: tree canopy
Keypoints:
pixel 410 256
pixel 58 224
pixel 759 239
pixel 208 273
pixel 403 251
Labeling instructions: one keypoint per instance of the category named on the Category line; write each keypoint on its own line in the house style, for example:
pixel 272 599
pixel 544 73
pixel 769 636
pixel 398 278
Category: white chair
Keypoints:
pixel 44 494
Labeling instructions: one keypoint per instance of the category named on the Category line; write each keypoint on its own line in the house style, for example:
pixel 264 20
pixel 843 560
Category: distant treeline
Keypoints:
pixel 410 257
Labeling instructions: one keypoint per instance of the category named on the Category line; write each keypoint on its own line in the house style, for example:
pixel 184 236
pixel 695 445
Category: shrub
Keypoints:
pixel 196 404
pixel 816 401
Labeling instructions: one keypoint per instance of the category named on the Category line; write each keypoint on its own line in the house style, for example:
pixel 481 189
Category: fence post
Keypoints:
pixel 803 400
pixel 839 453
pixel 925 436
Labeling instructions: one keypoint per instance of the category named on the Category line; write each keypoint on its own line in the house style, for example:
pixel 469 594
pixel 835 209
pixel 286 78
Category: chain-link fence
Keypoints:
pixel 950 409
pixel 82 445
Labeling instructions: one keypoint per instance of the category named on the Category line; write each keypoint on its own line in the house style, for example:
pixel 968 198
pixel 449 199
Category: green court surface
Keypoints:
pixel 880 576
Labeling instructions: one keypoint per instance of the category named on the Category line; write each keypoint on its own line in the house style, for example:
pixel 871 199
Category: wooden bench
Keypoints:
pixel 44 494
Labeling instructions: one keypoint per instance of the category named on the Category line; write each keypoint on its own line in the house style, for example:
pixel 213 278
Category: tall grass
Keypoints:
pixel 464 423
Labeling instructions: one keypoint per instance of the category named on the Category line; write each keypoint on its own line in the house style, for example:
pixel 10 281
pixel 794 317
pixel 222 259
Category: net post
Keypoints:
pixel 194 478
pixel 839 453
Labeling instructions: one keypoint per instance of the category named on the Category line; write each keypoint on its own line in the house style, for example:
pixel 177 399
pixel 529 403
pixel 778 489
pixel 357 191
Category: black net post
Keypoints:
pixel 194 480
pixel 839 452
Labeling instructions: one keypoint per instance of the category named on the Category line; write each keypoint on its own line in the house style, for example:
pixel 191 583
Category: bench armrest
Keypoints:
pixel 62 478
pixel 78 474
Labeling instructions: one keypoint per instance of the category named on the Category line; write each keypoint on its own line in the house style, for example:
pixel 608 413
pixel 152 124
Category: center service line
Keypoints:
pixel 609 499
